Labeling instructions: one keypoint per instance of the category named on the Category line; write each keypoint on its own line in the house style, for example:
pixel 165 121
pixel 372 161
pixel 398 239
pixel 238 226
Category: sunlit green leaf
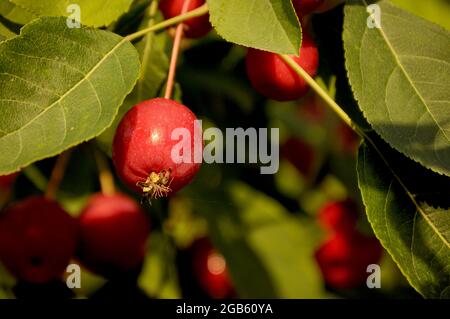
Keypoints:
pixel 270 25
pixel 399 74
pixel 59 87
pixel 409 210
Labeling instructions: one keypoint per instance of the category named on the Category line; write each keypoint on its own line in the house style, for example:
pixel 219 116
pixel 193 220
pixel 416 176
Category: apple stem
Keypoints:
pixel 175 53
pixel 170 22
pixel 57 174
pixel 104 173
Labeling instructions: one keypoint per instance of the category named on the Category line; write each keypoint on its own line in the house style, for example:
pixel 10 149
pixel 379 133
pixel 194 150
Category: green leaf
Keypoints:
pixel 399 75
pixel 15 13
pixel 159 278
pixel 269 252
pixel 270 25
pixel 409 213
pixel 58 88
pixel 5 33
pixel 95 13
pixel 436 11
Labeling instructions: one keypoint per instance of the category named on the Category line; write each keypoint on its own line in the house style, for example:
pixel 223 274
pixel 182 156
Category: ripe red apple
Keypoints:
pixel 274 78
pixel 195 27
pixel 113 234
pixel 37 240
pixel 210 269
pixel 343 259
pixel 143 144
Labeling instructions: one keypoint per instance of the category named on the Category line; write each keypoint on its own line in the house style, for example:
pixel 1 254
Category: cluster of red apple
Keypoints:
pixel 38 238
pixel 150 170
pixel 343 258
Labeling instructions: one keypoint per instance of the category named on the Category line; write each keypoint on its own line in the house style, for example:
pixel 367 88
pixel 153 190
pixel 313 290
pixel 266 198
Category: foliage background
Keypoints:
pixel 264 225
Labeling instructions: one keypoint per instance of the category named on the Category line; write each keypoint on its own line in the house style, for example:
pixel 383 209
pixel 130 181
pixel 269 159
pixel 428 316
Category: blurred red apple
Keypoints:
pixel 114 232
pixel 340 216
pixel 343 259
pixel 210 269
pixel 37 240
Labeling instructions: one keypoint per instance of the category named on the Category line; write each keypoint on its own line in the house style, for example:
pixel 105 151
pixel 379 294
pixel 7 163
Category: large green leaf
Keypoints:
pixel 93 12
pixel 59 87
pixel 399 75
pixel 269 25
pixel 15 13
pixel 410 214
pixel 5 33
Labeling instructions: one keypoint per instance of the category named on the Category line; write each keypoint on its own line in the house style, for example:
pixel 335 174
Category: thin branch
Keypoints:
pixel 104 173
pixel 57 174
pixel 324 95
pixel 175 53
pixel 170 22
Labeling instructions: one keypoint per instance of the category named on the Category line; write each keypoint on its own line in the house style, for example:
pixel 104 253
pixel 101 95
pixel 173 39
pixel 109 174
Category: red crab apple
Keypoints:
pixel 305 7
pixel 343 259
pixel 340 216
pixel 37 240
pixel 195 27
pixel 113 234
pixel 273 78
pixel 210 269
pixel 143 147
